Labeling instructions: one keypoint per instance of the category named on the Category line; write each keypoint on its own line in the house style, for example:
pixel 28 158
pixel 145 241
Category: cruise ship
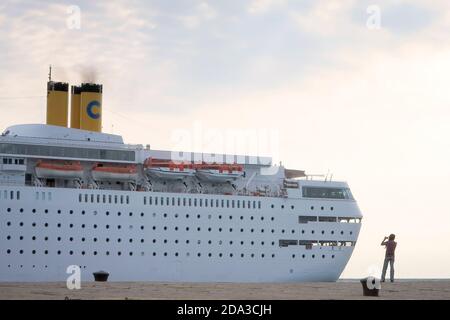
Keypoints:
pixel 72 195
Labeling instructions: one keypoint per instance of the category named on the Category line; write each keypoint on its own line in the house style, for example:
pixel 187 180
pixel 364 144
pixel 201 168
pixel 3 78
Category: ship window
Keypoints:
pixel 306 219
pixel 167 201
pixel 104 198
pixel 85 198
pixel 173 201
pixel 239 203
pixel 243 204
pixel 195 202
pixel 232 203
pixel 18 195
pixel 115 199
pixel 217 203
pixel 190 202
pixel 92 198
pixel 327 219
pixel 259 204
pixel 178 201
pixel 43 196
pixel 121 199
pixel 200 202
pixel 150 200
pixel 145 200
pixel 184 202
pixel 222 203
pixel 127 199
pixel 254 204
pixel 327 193
pixel 109 198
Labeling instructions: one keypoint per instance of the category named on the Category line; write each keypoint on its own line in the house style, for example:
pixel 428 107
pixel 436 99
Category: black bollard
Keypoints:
pixel 371 286
pixel 101 276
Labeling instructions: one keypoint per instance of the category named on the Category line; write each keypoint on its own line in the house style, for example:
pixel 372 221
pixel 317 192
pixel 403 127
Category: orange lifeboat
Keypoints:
pixel 59 170
pixel 219 172
pixel 167 169
pixel 101 172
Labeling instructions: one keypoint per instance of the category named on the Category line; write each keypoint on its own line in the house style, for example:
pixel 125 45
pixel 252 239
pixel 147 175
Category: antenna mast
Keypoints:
pixel 50 73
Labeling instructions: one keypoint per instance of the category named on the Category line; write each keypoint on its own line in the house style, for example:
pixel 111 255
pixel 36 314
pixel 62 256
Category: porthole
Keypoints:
pixel 198 229
pixel 220 255
pixel 71 239
pixel 9 209
pixel 332 232
pixel 95 240
pixel 351 232
pixel 252 255
pixel 231 229
pixel 220 229
pixel 154 240
pixel 119 240
pixel 332 257
pixel 282 231
pixel 165 240
pixel 83 212
pixel 107 253
pixel 272 218
pixel 332 208
pixel 220 217
pixel 321 208
pixel 312 207
pixel 165 254
pixel 71 212
pixel 8 251
pixel 130 253
pixel 303 256
pixel 209 254
pixel 303 231
pixel 242 218
pixel 165 215
pixel 119 253
pixel 154 253
pixel 312 231
pixel 165 228
pixel 130 214
pixel 95 226
pixel 272 206
pixel 83 239
pixel 119 214
pixel 83 253
pixel 323 256
pixel 21 224
pixel 71 252
pixel 34 211
pixel 251 218
pixel 21 210
pixel 282 206
pixel 71 225
pixel 107 213
pixel 187 228
pixel 142 214
pixel 130 240
pixel 292 207
pixel 58 252
pixel 293 256
pixel 176 254
pixel 209 229
pixel 142 227
pixel 107 226
pixel 119 227
pixel 199 254
pixel 313 256
pixel 323 232
pixel 33 252
pixel 8 238
pixel 342 232
pixel 242 230
pixel 198 216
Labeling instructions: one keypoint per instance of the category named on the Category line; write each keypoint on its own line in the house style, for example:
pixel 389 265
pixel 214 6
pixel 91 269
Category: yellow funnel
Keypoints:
pixel 57 103
pixel 91 107
pixel 75 107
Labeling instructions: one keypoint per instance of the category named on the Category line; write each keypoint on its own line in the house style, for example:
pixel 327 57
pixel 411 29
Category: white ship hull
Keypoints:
pixel 45 230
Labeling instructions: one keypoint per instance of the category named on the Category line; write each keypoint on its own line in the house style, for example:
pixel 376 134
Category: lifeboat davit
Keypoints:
pixel 168 170
pixel 219 172
pixel 59 170
pixel 102 172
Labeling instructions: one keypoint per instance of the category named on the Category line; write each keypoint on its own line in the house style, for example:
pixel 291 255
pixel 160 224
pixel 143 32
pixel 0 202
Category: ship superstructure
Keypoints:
pixel 77 196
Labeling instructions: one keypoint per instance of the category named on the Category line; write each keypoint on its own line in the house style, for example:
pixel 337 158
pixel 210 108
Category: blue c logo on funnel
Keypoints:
pixel 90 109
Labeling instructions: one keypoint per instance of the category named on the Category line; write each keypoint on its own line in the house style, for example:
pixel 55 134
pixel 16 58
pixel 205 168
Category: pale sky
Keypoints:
pixel 370 105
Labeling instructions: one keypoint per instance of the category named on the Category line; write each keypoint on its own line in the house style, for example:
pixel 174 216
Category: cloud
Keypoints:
pixel 263 6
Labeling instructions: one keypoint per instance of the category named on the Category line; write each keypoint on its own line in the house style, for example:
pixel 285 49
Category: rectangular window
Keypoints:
pixel 127 198
pixel 206 202
pixel 184 202
pixel 189 200
pixel 145 200
pixel 173 201
pixel 195 202
pixel 285 243
pixel 121 199
pixel 92 198
pixel 232 203
pixel 179 202
pixel 49 196
pixel 43 196
pixel 200 202
pixel 110 198
pixel 243 204
pixel 150 201
pixel 11 195
pixel 239 203
pixel 167 201
pixel 86 198
pixel 115 199
pixel 326 193
pixel 228 203
pixel 327 219
pixel 104 198
pixel 259 204
pixel 254 204
pixel 306 219
pixel 80 198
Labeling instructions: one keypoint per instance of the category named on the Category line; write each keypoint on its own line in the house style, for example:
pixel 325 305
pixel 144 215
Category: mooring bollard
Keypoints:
pixel 371 286
pixel 101 276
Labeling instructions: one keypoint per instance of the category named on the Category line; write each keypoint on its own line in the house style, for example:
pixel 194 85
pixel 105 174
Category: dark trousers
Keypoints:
pixel 388 260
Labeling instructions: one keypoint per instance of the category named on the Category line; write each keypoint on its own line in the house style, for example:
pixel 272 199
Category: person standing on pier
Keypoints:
pixel 389 258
